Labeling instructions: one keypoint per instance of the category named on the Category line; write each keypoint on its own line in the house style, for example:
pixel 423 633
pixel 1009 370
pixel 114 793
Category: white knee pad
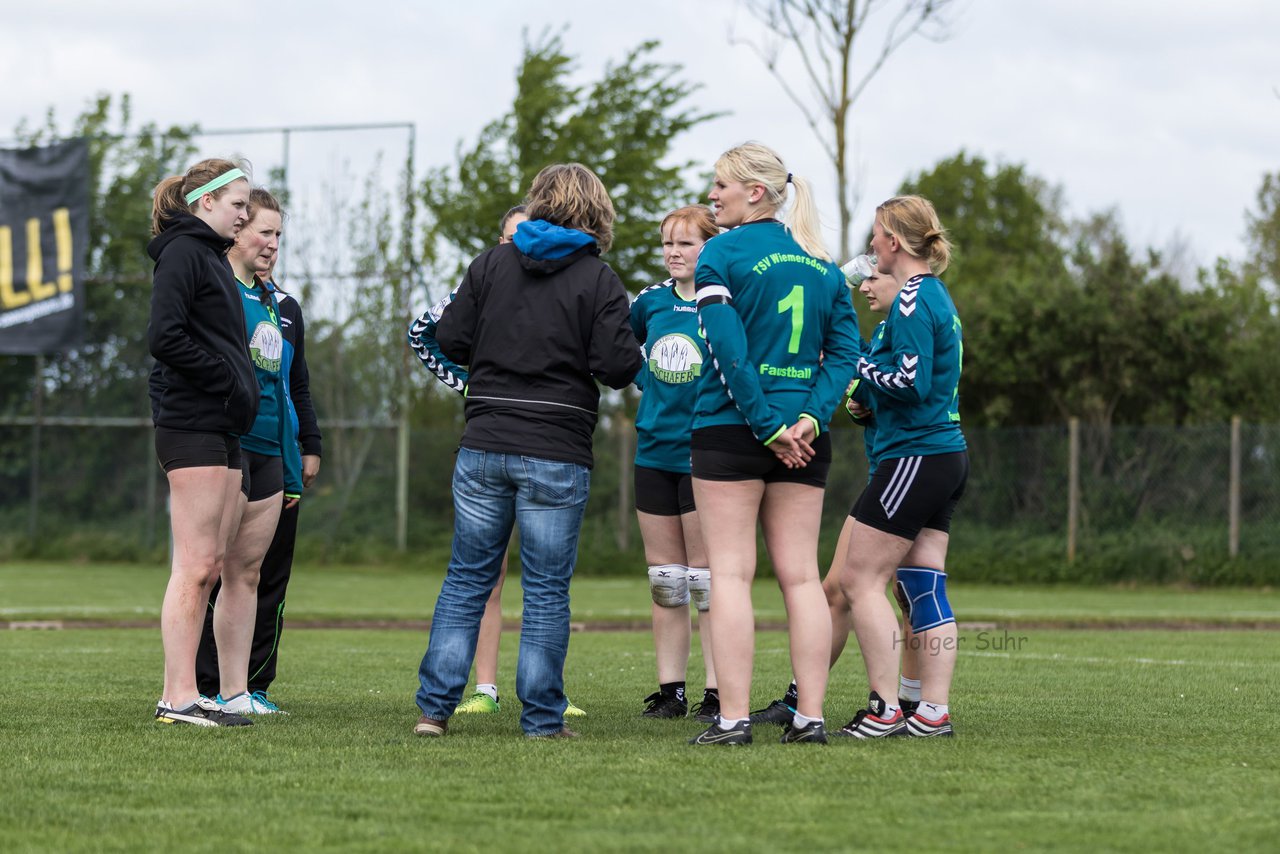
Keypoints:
pixel 669 585
pixel 700 588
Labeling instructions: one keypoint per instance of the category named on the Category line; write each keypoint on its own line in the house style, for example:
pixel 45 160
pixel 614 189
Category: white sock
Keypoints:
pixel 730 723
pixel 800 721
pixel 908 689
pixel 486 688
pixel 932 711
pixel 891 709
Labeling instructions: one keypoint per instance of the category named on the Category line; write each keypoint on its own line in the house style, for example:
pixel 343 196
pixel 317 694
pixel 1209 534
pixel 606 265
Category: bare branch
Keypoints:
pixel 825 33
pixel 769 56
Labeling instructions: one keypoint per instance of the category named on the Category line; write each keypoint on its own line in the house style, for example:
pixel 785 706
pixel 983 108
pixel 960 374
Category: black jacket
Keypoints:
pixel 534 332
pixel 203 379
pixel 294 331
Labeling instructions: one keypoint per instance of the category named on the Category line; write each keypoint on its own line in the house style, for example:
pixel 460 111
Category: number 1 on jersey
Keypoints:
pixel 794 302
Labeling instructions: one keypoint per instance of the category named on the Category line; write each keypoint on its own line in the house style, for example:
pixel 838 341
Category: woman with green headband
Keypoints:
pixel 204 394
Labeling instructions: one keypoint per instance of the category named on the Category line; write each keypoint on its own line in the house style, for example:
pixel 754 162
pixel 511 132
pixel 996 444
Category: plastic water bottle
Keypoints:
pixel 858 269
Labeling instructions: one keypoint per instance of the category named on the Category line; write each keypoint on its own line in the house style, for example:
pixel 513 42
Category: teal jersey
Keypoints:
pixel 910 375
pixel 266 351
pixel 674 355
pixel 780 328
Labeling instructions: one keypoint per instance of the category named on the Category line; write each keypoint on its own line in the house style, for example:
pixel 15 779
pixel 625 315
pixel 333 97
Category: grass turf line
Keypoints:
pixel 124 592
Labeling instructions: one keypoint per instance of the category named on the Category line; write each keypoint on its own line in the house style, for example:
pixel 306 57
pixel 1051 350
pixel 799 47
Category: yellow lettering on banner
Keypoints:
pixel 35 264
pixel 62 234
pixel 9 299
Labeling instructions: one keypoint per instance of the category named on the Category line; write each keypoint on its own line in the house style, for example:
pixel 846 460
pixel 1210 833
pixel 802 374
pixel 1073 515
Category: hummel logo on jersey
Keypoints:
pixel 909 366
pixel 907 299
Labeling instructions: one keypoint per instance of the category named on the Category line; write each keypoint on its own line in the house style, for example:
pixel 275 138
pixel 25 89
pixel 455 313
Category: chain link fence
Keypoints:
pixel 1151 503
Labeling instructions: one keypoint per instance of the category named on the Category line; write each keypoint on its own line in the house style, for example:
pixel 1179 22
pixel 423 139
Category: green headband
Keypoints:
pixel 217 183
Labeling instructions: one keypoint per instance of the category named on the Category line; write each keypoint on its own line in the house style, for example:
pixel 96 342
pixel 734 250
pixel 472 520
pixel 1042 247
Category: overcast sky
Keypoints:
pixel 1167 111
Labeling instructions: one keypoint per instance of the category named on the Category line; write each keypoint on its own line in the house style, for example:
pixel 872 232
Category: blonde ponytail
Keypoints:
pixel 754 163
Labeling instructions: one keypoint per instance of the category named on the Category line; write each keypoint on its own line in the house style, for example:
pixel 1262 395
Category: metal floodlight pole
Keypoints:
pixel 407 278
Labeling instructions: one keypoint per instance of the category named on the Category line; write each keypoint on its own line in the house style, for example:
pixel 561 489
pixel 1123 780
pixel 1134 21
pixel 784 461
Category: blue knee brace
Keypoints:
pixel 923 594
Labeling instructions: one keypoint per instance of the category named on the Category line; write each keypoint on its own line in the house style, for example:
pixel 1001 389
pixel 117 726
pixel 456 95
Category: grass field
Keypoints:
pixel 1067 739
pixel 124 592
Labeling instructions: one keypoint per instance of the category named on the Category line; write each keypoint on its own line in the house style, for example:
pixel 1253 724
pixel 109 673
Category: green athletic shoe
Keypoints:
pixel 572 711
pixel 478 703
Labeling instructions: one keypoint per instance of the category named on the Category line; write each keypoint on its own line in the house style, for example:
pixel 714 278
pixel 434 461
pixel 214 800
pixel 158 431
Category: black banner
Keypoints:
pixel 44 229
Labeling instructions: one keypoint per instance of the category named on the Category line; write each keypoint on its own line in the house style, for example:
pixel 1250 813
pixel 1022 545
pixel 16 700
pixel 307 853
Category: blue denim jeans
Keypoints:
pixel 491 492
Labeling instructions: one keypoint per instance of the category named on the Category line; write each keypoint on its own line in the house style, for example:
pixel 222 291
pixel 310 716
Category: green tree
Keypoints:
pixel 1263 229
pixel 1250 295
pixel 621 126
pixel 1067 319
pixel 1008 276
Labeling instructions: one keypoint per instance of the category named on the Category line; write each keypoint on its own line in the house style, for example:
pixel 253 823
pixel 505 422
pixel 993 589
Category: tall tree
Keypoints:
pixel 621 126
pixel 1068 319
pixel 826 34
pixel 1010 255
pixel 1263 229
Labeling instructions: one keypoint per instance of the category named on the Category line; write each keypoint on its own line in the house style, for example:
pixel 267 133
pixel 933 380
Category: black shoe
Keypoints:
pixel 909 707
pixel 777 713
pixel 740 734
pixel 708 709
pixel 203 712
pixel 664 706
pixel 813 733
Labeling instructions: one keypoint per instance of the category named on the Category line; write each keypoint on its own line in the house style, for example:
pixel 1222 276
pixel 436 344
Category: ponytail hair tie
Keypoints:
pixel 789 178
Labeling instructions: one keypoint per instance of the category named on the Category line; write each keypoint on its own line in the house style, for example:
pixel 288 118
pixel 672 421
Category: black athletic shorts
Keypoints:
pixel 263 476
pixel 911 493
pixel 663 493
pixel 186 449
pixel 732 452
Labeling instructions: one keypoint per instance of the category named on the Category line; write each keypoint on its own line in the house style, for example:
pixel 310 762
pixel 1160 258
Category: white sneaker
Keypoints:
pixel 249 704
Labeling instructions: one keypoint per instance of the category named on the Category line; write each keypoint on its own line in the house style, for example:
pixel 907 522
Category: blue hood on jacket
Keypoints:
pixel 541 240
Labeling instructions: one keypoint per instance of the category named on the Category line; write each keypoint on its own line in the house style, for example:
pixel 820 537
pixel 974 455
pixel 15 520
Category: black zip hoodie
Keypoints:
pixel 203 379
pixel 534 330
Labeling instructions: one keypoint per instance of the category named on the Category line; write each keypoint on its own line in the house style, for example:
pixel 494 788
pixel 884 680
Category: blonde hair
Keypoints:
pixel 570 195
pixel 914 222
pixel 753 163
pixel 698 217
pixel 170 194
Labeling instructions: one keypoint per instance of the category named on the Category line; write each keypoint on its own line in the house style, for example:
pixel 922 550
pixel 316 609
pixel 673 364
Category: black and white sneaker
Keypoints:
pixel 708 710
pixel 777 713
pixel 811 733
pixel 918 726
pixel 739 734
pixel 203 712
pixel 875 722
pixel 664 706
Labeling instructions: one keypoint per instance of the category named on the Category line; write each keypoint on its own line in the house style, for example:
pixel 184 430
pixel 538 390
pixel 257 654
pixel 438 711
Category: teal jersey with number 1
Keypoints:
pixel 780 327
